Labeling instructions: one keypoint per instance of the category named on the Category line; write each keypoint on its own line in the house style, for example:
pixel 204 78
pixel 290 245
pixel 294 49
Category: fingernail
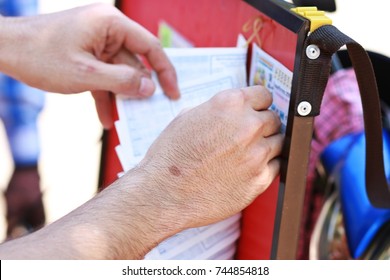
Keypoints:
pixel 175 92
pixel 146 87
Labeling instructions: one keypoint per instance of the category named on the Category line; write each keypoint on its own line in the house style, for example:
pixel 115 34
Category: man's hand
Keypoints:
pixel 207 165
pixel 93 48
pixel 214 159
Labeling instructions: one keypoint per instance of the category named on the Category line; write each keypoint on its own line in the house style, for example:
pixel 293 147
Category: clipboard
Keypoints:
pixel 271 224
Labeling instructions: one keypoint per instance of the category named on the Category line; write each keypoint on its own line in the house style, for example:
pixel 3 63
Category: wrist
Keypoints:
pixel 147 216
pixel 127 219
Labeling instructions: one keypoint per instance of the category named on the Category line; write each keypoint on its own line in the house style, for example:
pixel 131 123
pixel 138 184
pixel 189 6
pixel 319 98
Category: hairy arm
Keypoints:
pixel 183 182
pixel 124 221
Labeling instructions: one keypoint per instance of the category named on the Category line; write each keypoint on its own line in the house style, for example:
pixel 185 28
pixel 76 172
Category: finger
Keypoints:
pixel 117 78
pixel 130 59
pixel 274 166
pixel 104 108
pixel 268 175
pixel 148 45
pixel 258 97
pixel 268 123
pixel 127 58
pixel 270 147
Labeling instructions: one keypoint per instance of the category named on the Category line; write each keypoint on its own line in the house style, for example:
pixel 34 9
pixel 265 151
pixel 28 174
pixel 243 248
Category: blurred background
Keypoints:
pixel 70 130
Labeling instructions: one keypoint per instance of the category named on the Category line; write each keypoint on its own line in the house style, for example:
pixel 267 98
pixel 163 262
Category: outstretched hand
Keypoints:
pixel 93 48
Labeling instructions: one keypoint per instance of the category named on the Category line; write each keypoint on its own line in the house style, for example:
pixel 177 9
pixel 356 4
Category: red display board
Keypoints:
pixel 217 23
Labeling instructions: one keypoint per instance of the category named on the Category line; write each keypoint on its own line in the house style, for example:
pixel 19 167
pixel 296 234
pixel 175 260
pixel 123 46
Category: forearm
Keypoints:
pixel 122 222
pixel 14 33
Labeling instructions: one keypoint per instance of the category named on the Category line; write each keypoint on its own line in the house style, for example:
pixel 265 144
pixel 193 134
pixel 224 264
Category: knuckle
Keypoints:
pixel 154 46
pixel 275 121
pixel 260 173
pixel 155 43
pixel 129 80
pixel 103 8
pixel 266 94
pixel 229 98
pixel 251 126
pixel 265 151
pixel 84 70
pixel 265 179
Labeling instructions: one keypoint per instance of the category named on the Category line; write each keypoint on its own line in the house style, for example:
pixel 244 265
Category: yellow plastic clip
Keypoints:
pixel 317 18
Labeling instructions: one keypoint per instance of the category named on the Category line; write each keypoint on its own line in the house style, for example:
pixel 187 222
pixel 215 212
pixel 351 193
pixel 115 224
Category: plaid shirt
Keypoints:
pixel 341 111
pixel 18 7
pixel 20 104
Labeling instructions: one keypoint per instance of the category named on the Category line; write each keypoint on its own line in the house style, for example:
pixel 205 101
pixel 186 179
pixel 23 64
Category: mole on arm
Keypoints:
pixel 174 170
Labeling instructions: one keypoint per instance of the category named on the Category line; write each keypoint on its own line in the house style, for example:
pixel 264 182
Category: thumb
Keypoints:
pixel 120 79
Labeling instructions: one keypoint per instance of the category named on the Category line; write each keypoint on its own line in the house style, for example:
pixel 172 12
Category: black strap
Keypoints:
pixel 329 40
